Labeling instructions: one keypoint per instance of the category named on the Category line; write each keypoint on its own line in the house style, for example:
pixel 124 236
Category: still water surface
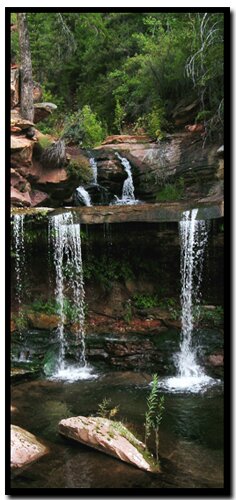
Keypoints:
pixel 191 434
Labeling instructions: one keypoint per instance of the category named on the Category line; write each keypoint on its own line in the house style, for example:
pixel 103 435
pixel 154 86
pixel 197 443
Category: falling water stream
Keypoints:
pixel 94 167
pixel 193 240
pixel 19 249
pixel 128 197
pixel 66 241
pixel 83 196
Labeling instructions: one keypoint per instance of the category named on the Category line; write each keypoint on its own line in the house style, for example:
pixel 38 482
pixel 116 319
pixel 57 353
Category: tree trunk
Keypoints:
pixel 26 100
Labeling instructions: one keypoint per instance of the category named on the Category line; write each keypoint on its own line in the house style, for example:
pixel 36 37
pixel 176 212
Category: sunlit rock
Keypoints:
pixel 25 447
pixel 110 437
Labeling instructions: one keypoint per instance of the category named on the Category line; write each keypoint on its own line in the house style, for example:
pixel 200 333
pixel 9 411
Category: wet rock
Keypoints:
pixel 216 359
pixel 107 436
pixel 43 321
pixel 18 373
pixel 179 156
pixel 25 447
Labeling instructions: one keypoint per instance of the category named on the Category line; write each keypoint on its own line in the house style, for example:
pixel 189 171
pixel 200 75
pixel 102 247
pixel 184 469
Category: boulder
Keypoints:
pixel 19 182
pixel 21 150
pixel 38 198
pixel 25 447
pixel 42 110
pixel 19 199
pixel 18 121
pixel 110 437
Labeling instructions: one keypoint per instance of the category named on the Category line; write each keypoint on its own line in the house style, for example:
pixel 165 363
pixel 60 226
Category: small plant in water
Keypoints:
pixel 153 415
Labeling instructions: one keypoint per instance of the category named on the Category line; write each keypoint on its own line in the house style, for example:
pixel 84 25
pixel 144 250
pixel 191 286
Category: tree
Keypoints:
pixel 27 105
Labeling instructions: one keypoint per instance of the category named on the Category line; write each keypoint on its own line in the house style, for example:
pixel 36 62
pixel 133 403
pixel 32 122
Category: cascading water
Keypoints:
pixel 94 167
pixel 19 249
pixel 128 197
pixel 193 239
pixel 83 196
pixel 68 265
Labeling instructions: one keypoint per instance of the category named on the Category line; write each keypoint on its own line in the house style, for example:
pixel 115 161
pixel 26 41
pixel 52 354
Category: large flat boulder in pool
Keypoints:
pixel 25 447
pixel 108 436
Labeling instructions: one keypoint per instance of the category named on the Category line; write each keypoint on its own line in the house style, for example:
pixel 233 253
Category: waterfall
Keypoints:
pixel 193 239
pixel 83 196
pixel 66 241
pixel 128 197
pixel 94 167
pixel 19 249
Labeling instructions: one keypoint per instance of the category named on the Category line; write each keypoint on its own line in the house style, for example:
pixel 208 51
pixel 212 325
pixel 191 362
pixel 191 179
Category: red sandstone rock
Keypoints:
pixel 38 198
pixel 198 127
pixel 19 199
pixel 116 139
pixel 18 121
pixel 103 435
pixel 216 359
pixel 25 448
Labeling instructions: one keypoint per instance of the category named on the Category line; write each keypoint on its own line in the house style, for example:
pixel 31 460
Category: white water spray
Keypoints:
pixel 68 261
pixel 128 197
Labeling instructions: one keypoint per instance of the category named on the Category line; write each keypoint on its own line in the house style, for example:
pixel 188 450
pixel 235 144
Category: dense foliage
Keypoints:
pixel 128 70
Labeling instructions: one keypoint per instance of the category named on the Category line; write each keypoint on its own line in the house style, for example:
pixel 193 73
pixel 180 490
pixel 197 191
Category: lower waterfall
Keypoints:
pixel 66 241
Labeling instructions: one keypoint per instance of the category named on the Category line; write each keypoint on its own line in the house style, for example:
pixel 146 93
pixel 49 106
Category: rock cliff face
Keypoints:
pixel 154 164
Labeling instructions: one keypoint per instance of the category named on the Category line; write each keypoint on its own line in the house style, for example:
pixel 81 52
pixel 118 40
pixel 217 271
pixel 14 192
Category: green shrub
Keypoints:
pixel 84 128
pixel 79 169
pixel 203 115
pixel 172 192
pixel 119 116
pixel 44 142
pixel 145 301
pixel 155 122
